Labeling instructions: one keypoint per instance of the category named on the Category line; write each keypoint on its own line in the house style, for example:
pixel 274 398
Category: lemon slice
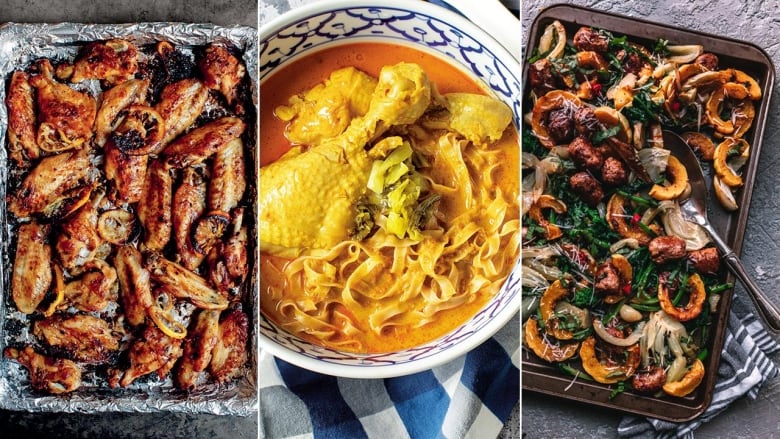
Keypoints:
pixel 167 324
pixel 59 288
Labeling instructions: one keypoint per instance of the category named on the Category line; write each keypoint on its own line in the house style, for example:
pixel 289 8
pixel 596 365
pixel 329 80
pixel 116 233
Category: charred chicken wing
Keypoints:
pixel 134 284
pixel 22 145
pixel 115 100
pixel 202 142
pixel 65 116
pixel 197 349
pixel 180 104
pixel 32 273
pixel 153 351
pixel 112 61
pixel 189 203
pixel 183 283
pixel 53 375
pixel 221 71
pixel 229 353
pixel 81 337
pixel 48 182
pixel 154 208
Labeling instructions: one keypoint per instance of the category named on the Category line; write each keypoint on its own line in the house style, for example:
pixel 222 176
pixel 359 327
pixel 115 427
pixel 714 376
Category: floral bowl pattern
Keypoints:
pixel 428 28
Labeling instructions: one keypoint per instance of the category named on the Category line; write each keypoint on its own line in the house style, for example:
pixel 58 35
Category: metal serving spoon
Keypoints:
pixel 694 209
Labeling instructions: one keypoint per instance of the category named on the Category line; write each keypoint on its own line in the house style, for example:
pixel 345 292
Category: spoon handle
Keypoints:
pixel 766 309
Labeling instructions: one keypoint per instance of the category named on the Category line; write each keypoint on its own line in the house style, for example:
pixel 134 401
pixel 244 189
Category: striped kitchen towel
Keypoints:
pixel 745 365
pixel 471 396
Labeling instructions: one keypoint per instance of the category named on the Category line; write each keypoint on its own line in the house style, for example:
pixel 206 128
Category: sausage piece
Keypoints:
pixel 666 248
pixel 588 39
pixel 587 187
pixel 585 121
pixel 584 154
pixel 560 125
pixel 540 77
pixel 607 280
pixel 706 260
pixel 708 61
pixel 649 381
pixel 613 172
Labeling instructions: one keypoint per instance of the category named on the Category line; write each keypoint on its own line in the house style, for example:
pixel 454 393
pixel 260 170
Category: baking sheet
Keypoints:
pixel 542 377
pixel 20 44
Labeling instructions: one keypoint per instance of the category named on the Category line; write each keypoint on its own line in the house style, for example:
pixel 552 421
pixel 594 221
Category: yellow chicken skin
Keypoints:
pixel 302 204
pixel 326 110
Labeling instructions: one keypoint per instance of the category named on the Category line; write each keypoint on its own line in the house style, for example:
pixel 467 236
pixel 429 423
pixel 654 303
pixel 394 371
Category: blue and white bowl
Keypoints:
pixel 428 28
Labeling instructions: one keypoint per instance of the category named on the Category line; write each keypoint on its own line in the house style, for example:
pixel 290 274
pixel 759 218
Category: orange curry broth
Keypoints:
pixel 303 74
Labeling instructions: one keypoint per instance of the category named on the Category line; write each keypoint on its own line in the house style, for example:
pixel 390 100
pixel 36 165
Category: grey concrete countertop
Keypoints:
pixel 755 21
pixel 128 425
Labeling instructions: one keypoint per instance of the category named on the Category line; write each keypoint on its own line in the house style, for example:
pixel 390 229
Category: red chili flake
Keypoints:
pixel 626 289
pixel 675 106
pixel 596 87
pixel 635 219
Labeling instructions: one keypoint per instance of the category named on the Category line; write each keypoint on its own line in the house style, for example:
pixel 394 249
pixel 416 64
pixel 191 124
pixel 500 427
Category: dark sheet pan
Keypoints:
pixel 539 376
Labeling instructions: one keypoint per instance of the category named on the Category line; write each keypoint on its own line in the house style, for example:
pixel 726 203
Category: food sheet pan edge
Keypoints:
pixel 20 43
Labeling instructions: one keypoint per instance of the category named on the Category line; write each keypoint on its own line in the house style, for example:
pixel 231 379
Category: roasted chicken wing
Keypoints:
pixel 221 71
pixel 180 104
pixel 22 145
pixel 111 61
pixel 134 284
pixel 153 351
pixel 53 375
pixel 32 273
pixel 65 116
pixel 49 182
pixel 115 100
pixel 228 177
pixel 183 283
pixel 189 203
pixel 202 142
pixel 81 337
pixel 154 208
pixel 78 240
pixel 126 173
pixel 95 289
pixel 228 265
pixel 198 345
pixel 230 353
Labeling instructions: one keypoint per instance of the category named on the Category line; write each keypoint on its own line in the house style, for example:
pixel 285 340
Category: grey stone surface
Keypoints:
pixel 128 425
pixel 758 22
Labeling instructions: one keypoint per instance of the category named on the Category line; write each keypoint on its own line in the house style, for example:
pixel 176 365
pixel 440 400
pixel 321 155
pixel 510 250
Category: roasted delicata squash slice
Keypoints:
pixel 543 348
pixel 677 176
pixel 608 374
pixel 730 147
pixel 618 218
pixel 535 212
pixel 689 382
pixel 697 296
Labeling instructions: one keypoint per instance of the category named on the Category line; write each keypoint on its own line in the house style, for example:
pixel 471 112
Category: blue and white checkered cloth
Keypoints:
pixel 745 365
pixel 471 396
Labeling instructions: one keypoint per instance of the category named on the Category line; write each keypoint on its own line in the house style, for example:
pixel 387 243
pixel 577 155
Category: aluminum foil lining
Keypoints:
pixel 20 44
